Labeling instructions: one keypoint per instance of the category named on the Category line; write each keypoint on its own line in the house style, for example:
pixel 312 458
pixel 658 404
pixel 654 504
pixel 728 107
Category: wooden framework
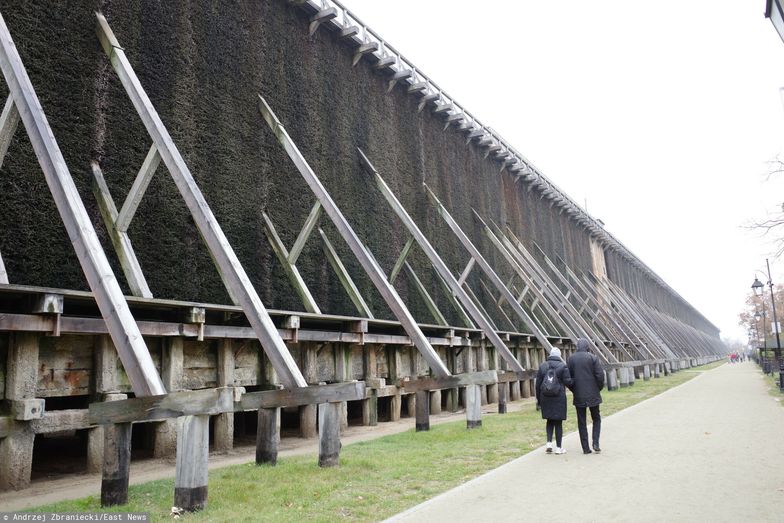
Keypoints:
pixel 369 264
pixel 163 149
pixel 23 104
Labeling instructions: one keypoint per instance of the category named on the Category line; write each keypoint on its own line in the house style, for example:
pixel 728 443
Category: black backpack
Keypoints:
pixel 551 386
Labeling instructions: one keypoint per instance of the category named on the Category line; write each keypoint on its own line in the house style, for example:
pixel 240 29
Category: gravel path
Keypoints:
pixel 711 449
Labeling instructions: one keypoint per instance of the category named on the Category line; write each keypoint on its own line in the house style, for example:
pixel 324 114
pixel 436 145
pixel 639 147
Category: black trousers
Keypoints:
pixel 556 425
pixel 582 426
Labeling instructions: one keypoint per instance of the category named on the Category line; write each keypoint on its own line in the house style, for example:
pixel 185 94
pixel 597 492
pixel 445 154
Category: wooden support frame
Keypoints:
pixel 345 278
pixel 455 288
pixel 233 274
pixel 100 277
pixel 365 259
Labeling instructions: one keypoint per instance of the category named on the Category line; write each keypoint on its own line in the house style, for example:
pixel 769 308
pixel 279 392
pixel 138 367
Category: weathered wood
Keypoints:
pixel 173 364
pixel 140 184
pixel 116 460
pixel 27 409
pixel 284 257
pixel 612 379
pixel 370 409
pixel 3 272
pixel 369 264
pixel 233 274
pixel 190 482
pixel 92 258
pixel 16 456
pixel 458 380
pixel 6 424
pixel 345 278
pixel 9 121
pixel 303 396
pixel 22 368
pixel 105 368
pixel 319 18
pixel 429 301
pixel 422 410
pixel 268 436
pixel 152 408
pixel 401 259
pixel 224 422
pixel 362 50
pixel 473 403
pixel 503 394
pixel 329 434
pixel 310 223
pixel 439 264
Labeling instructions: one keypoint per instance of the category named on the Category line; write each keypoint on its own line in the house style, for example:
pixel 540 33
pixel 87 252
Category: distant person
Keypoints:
pixel 551 382
pixel 588 377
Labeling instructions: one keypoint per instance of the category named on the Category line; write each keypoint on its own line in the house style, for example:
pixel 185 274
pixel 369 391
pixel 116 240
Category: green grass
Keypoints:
pixel 376 478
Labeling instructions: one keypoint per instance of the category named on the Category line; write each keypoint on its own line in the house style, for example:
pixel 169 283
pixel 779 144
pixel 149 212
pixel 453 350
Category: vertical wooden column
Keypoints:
pixel 224 422
pixel 422 410
pixel 528 385
pixel 307 413
pixel 394 364
pixel 473 399
pixel 190 482
pixel 343 373
pixel 16 450
pixel 329 434
pixel 435 402
pixel 492 390
pixel 411 401
pixel 646 372
pixel 106 375
pixel 370 404
pixel 116 460
pixel 657 370
pixel 503 393
pixel 268 436
pixel 165 432
pixel 612 379
pixel 453 395
pixel 481 365
pixel 623 373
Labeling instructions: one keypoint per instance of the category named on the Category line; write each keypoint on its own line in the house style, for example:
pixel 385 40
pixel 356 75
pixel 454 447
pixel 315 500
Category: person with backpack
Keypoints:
pixel 551 381
pixel 588 376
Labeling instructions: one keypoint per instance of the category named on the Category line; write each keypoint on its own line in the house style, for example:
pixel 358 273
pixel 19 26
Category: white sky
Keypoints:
pixel 662 115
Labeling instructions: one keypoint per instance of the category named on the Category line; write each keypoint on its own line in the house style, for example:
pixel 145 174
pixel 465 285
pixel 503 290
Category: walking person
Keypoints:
pixel 588 377
pixel 551 382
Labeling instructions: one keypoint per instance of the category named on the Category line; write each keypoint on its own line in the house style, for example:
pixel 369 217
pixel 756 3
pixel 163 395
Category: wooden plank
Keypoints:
pixel 401 259
pixel 295 278
pixel 473 401
pixel 303 396
pixel 152 408
pixel 429 302
pixel 310 223
pixel 233 274
pixel 345 278
pixel 190 482
pixel 458 380
pixel 329 434
pixel 367 261
pixel 3 272
pixel 422 410
pixel 9 121
pixel 6 424
pixel 140 184
pixel 466 319
pixel 268 436
pixel 92 258
pixel 440 266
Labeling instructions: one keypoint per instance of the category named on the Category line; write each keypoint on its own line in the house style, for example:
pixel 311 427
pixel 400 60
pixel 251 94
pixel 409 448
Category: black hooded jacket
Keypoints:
pixel 588 376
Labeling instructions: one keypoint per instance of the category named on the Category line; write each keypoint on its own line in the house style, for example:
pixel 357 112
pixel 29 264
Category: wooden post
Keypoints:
pixel 435 402
pixel 646 372
pixel 515 385
pixel 473 406
pixel 657 370
pixel 116 460
pixel 612 379
pixel 632 377
pixel 411 402
pixel 16 450
pixel 268 436
pixel 329 434
pixel 370 409
pixel 422 410
pixel 224 423
pixel 190 483
pixel 165 432
pixel 503 392
pixel 307 413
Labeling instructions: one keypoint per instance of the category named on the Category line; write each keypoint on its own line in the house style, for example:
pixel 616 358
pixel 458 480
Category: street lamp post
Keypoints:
pixel 758 287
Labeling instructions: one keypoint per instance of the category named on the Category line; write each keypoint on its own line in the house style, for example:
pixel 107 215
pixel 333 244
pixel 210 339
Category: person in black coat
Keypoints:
pixel 553 407
pixel 588 376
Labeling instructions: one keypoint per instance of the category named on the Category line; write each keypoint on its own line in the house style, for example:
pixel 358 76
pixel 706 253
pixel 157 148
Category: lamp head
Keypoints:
pixel 757 287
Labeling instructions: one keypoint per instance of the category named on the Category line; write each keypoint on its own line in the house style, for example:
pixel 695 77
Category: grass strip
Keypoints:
pixel 376 478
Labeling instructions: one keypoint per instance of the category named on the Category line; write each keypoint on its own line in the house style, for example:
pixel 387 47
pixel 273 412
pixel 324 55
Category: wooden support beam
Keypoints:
pixel 362 50
pixel 398 76
pixel 268 436
pixel 284 257
pixel 319 18
pixel 422 410
pixel 439 264
pixel 310 223
pixel 503 394
pixel 429 302
pixel 329 434
pixel 466 319
pixel 139 187
pixel 116 460
pixel 385 62
pixel 233 274
pixel 473 403
pixel 314 395
pixel 120 240
pixel 401 259
pixel 367 261
pixel 348 32
pixel 175 404
pixel 426 99
pixel 457 380
pixel 3 272
pixel 224 422
pixel 190 482
pixel 100 277
pixel 9 121
pixel 345 278
pixel 417 87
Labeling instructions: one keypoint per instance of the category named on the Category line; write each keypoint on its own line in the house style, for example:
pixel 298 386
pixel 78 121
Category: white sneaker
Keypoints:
pixel 549 448
pixel 560 450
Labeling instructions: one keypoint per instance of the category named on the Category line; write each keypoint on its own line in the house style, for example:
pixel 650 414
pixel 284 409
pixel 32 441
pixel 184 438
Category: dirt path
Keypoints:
pixel 45 491
pixel 711 449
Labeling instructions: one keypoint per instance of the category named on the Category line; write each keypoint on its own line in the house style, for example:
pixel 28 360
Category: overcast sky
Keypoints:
pixel 663 116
